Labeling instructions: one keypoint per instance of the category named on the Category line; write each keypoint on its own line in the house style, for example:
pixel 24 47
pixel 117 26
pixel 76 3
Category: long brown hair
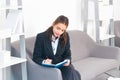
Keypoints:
pixel 63 38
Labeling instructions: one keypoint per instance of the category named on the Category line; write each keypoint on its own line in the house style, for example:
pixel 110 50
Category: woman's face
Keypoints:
pixel 59 29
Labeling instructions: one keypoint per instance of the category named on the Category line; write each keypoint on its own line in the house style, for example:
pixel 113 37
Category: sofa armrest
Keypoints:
pixel 34 71
pixel 37 72
pixel 108 52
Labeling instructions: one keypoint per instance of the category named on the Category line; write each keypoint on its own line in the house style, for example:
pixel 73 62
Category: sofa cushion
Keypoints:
pixel 30 45
pixel 91 66
pixel 81 44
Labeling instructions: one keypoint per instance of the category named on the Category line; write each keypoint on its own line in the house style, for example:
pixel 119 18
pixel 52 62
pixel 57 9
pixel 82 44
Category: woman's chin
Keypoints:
pixel 56 35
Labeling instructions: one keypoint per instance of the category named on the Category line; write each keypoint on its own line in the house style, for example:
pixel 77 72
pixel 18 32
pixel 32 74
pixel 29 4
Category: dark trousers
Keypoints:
pixel 69 73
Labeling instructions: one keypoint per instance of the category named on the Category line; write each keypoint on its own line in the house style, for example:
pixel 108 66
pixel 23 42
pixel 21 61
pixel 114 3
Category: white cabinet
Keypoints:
pixel 13 25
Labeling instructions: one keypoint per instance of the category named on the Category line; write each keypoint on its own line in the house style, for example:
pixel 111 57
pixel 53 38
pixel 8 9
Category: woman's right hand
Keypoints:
pixel 48 61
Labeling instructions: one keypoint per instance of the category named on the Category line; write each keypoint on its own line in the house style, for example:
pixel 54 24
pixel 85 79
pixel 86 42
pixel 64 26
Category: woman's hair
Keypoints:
pixel 63 38
pixel 62 19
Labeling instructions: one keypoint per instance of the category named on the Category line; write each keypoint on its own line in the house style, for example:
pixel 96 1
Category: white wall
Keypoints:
pixel 116 9
pixel 40 14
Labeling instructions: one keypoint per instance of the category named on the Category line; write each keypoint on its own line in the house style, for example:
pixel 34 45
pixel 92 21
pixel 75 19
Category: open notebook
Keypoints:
pixel 58 65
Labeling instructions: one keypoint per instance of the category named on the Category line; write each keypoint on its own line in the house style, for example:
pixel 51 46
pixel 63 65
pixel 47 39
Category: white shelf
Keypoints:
pixel 5 33
pixel 9 7
pixel 106 36
pixel 9 35
pixel 13 61
pixel 13 26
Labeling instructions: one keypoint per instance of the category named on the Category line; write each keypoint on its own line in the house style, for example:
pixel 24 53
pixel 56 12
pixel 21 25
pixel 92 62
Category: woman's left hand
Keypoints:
pixel 68 63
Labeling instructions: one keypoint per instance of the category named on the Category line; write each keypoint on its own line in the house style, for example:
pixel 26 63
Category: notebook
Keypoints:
pixel 58 65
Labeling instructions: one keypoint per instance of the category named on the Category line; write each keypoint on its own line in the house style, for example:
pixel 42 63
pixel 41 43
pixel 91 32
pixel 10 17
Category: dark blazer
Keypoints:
pixel 43 49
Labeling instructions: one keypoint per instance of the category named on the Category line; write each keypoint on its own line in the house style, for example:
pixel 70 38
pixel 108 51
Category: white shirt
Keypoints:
pixel 54 43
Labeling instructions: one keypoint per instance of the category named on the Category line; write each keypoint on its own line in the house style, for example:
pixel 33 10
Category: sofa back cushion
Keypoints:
pixel 81 44
pixel 30 42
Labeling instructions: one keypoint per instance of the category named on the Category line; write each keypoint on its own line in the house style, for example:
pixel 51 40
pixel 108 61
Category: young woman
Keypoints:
pixel 53 46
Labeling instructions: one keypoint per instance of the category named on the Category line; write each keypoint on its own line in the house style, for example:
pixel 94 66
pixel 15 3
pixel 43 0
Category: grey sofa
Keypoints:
pixel 117 33
pixel 90 59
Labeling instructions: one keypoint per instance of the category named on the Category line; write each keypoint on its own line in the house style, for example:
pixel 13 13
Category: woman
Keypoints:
pixel 53 46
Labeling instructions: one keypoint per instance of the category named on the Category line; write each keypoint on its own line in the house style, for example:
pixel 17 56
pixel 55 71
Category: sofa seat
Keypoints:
pixel 91 67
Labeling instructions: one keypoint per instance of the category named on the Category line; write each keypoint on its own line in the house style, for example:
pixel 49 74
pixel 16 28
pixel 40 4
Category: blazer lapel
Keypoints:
pixel 59 49
pixel 49 46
